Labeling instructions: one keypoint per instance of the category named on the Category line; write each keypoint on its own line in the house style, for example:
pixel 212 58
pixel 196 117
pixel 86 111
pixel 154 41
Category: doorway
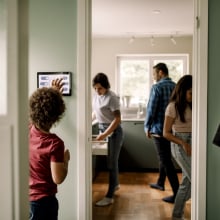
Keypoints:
pixel 199 87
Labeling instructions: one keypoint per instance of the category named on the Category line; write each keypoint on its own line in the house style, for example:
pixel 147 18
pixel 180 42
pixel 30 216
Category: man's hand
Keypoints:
pixel 58 84
pixel 148 134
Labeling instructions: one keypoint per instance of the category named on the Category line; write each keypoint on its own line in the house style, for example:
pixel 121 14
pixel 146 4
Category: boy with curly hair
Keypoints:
pixel 48 158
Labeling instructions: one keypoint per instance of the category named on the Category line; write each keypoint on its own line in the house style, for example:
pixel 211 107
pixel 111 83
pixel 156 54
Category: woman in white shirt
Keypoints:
pixel 178 129
pixel 106 110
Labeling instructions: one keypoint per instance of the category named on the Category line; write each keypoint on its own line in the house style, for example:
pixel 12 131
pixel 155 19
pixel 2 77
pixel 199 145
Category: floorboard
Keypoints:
pixel 135 200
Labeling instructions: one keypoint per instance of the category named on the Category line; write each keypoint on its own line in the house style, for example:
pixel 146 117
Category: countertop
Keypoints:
pixel 133 119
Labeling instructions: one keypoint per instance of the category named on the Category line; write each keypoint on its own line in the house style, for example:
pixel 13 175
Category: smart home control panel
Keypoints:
pixel 44 79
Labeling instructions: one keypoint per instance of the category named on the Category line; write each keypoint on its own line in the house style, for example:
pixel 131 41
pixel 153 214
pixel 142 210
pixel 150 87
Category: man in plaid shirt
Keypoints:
pixel 153 127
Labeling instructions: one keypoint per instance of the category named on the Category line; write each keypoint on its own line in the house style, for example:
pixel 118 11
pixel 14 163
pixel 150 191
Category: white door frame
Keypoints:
pixel 199 140
pixel 14 124
pixel 84 122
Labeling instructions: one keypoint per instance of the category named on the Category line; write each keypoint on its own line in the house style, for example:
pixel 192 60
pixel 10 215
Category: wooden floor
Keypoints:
pixel 135 200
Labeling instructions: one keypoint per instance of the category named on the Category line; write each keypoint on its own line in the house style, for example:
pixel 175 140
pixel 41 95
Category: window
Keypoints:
pixel 134 79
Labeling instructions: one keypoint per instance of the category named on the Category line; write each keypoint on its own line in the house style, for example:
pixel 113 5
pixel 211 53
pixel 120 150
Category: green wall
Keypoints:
pixel 52 47
pixel 213 152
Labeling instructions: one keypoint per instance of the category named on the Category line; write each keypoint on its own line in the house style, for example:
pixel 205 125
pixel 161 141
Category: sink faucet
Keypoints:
pixel 140 110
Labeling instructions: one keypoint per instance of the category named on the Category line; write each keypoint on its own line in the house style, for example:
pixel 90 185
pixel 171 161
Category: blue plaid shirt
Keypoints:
pixel 158 101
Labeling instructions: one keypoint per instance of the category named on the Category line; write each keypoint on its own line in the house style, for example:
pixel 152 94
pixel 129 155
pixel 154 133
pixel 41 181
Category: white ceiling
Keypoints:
pixel 125 18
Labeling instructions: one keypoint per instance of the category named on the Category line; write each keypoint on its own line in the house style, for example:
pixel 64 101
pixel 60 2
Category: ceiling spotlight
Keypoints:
pixel 173 40
pixel 131 40
pixel 152 41
pixel 156 11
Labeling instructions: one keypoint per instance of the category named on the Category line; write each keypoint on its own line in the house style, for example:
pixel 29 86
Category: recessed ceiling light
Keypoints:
pixel 156 11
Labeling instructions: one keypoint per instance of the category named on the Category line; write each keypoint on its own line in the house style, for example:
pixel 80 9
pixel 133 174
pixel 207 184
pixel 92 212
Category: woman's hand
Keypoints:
pixel 101 137
pixel 187 148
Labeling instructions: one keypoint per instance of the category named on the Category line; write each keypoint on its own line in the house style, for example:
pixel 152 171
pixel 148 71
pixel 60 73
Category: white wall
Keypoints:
pixel 105 50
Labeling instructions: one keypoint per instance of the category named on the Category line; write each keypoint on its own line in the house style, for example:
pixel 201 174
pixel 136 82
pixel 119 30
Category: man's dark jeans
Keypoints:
pixel 166 167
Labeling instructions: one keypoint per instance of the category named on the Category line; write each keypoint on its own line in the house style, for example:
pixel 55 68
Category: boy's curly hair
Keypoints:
pixel 46 107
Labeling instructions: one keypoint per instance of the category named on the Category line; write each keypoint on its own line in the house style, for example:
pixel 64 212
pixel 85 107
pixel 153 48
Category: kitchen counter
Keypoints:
pixel 133 119
pixel 100 148
pixel 138 152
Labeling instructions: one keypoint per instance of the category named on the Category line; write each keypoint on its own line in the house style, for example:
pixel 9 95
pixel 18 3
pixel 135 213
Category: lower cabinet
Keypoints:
pixel 138 152
pixel 99 162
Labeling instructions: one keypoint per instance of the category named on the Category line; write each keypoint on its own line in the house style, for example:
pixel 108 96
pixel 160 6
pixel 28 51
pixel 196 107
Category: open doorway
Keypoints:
pixel 197 85
pixel 151 28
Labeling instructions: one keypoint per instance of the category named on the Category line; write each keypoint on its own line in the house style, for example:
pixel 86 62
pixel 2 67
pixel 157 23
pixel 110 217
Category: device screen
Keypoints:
pixel 44 79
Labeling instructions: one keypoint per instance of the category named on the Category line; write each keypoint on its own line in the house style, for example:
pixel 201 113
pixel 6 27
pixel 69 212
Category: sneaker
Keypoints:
pixel 170 199
pixel 117 187
pixel 156 186
pixel 105 201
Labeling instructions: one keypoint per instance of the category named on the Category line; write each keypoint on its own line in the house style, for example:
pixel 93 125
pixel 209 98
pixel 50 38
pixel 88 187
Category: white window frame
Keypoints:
pixel 133 112
pixel 151 58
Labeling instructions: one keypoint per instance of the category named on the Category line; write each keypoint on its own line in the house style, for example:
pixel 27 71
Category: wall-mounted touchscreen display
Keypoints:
pixel 44 79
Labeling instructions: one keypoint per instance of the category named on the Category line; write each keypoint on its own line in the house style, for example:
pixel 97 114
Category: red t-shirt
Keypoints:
pixel 43 148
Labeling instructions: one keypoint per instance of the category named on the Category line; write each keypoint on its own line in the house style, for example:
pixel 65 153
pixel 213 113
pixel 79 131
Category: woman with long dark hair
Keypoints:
pixel 178 129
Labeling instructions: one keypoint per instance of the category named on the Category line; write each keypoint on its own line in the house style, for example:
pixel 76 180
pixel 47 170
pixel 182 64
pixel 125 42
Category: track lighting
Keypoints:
pixel 152 41
pixel 131 40
pixel 173 40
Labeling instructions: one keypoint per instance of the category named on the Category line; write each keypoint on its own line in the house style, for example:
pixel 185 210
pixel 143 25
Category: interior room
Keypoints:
pixel 151 31
pixel 55 35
